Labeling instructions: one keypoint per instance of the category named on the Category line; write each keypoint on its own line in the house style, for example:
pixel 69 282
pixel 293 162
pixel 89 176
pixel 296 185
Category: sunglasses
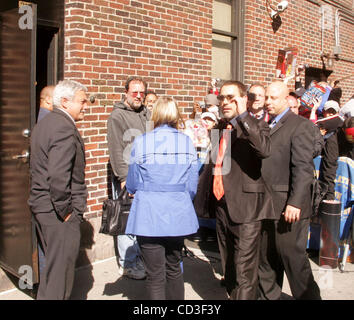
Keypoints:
pixel 134 94
pixel 228 97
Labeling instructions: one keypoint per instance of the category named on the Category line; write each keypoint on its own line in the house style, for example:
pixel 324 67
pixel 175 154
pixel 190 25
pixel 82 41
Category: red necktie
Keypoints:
pixel 218 186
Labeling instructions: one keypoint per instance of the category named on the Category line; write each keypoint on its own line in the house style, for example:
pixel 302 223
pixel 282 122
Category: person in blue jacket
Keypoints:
pixel 163 176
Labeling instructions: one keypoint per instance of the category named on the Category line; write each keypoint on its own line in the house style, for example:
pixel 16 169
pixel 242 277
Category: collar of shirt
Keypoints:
pixel 67 114
pixel 257 116
pixel 279 116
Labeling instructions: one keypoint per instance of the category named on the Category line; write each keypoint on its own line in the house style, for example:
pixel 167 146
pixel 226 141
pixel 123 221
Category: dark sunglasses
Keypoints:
pixel 228 97
pixel 134 94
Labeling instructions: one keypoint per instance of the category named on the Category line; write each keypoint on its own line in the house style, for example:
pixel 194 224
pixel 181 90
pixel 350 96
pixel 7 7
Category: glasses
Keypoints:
pixel 228 97
pixel 134 94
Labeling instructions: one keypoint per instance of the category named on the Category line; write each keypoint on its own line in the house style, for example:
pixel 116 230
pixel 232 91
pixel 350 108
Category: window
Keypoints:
pixel 226 40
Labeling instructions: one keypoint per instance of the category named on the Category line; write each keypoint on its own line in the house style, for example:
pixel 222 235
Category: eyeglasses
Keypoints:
pixel 228 97
pixel 134 94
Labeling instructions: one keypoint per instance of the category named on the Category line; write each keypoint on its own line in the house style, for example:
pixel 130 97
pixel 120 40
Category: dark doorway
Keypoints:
pixel 47 59
pixel 316 74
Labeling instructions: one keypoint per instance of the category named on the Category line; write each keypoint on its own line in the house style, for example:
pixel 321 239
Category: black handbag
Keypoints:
pixel 115 214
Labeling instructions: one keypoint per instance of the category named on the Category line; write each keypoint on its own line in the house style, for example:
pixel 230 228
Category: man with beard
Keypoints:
pixel 127 121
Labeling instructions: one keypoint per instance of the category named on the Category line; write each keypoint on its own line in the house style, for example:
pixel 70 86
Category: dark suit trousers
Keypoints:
pixel 239 250
pixel 283 248
pixel 61 243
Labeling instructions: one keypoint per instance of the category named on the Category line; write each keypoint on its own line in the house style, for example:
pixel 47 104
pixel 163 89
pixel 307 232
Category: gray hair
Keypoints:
pixel 66 89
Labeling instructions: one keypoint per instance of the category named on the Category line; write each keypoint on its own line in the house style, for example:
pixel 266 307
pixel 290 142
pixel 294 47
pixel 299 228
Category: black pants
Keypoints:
pixel 239 251
pixel 283 248
pixel 162 257
pixel 61 243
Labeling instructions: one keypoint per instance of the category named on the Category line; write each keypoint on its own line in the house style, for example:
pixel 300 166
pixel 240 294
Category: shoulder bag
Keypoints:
pixel 115 214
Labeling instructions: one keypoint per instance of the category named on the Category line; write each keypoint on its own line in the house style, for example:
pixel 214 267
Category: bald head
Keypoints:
pixel 281 87
pixel 46 98
pixel 276 98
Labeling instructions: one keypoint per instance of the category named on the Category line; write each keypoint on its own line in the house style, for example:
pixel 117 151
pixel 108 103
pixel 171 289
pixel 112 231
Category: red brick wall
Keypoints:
pixel 169 44
pixel 166 42
pixel 300 28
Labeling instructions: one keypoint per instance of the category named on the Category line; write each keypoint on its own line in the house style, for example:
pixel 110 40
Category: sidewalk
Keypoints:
pixel 100 281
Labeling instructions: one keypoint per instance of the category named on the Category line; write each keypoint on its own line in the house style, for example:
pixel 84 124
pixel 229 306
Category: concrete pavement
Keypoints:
pixel 202 273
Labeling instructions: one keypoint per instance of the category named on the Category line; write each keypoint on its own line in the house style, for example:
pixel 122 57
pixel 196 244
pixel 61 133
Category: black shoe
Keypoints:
pixel 196 237
pixel 222 282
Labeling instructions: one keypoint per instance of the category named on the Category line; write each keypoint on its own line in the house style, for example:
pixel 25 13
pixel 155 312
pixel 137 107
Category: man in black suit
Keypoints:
pixel 289 173
pixel 58 191
pixel 244 200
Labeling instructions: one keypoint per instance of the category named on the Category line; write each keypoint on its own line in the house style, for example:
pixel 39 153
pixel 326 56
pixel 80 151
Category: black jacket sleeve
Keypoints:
pixel 329 165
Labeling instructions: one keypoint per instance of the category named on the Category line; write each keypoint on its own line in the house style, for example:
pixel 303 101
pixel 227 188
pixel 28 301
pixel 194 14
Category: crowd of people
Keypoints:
pixel 244 157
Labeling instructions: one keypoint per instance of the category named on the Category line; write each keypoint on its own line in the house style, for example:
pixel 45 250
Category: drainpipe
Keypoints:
pixel 340 16
pixel 322 29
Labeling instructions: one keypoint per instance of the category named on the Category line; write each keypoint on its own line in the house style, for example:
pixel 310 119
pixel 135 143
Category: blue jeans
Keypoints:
pixel 129 251
pixel 128 248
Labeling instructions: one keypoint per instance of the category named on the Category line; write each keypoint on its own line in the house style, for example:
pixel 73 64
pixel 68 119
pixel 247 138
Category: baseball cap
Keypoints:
pixel 208 115
pixel 211 99
pixel 331 104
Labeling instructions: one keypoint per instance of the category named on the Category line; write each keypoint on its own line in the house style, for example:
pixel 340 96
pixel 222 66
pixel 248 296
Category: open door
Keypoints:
pixel 18 247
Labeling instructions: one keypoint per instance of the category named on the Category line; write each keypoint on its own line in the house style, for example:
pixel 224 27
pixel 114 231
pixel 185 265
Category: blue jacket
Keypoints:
pixel 163 175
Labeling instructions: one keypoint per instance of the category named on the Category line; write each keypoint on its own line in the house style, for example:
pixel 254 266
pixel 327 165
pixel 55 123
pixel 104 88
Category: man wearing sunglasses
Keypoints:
pixel 238 193
pixel 127 121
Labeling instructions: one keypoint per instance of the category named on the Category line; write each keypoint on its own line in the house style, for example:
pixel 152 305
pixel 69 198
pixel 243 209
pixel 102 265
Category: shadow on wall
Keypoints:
pixel 276 23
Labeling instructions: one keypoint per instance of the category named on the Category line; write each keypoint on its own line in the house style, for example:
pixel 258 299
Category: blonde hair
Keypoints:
pixel 165 111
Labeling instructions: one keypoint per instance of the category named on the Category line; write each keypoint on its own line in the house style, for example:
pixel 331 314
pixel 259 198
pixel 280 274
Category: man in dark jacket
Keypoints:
pixel 58 191
pixel 289 173
pixel 238 191
pixel 340 144
pixel 127 120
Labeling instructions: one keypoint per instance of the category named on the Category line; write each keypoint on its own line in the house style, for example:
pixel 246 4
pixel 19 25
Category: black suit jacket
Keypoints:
pixel 289 169
pixel 247 197
pixel 57 167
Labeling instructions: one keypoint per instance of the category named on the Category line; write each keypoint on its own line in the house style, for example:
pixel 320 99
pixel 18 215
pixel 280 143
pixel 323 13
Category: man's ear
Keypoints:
pixel 64 103
pixel 245 98
pixel 48 100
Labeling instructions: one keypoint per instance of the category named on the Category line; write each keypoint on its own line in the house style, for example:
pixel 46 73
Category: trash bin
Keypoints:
pixel 330 215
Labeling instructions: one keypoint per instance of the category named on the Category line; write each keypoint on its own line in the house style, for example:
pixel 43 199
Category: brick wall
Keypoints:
pixel 169 44
pixel 166 42
pixel 300 28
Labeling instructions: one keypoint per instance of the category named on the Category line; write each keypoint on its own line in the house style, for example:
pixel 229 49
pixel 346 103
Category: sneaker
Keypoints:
pixel 140 265
pixel 134 273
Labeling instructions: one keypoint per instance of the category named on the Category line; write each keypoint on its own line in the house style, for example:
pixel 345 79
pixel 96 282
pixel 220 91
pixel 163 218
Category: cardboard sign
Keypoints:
pixel 286 63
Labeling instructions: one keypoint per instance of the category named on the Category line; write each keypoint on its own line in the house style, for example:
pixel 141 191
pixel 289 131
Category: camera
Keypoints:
pixel 282 6
pixel 251 96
